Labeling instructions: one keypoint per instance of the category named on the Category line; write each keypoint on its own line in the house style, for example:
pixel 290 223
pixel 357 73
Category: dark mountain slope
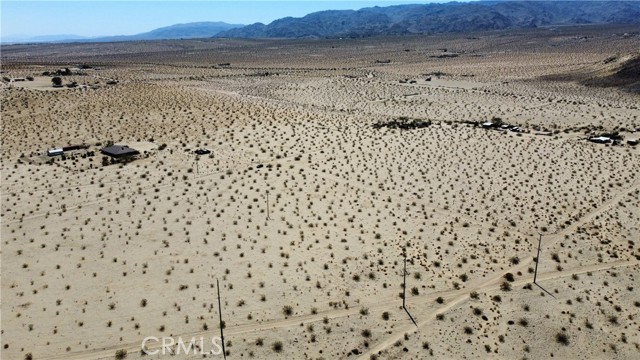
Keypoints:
pixel 618 71
pixel 438 18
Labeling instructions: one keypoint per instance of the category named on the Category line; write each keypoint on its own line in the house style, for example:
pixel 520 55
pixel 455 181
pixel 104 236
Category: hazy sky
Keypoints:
pixel 99 18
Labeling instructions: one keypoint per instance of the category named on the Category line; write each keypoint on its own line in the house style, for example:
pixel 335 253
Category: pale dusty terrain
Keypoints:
pixel 97 256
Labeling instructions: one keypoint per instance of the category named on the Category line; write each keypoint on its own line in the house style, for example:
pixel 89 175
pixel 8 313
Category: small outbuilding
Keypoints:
pixel 600 139
pixel 119 151
pixel 74 147
pixel 202 152
pixel 55 152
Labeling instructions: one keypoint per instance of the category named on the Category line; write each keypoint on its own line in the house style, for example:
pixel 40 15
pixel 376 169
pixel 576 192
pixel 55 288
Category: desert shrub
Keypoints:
pixel 562 338
pixel 121 354
pixel 505 286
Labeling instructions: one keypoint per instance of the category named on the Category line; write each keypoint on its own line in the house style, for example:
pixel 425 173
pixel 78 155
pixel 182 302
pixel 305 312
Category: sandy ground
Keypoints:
pixel 304 211
pixel 38 83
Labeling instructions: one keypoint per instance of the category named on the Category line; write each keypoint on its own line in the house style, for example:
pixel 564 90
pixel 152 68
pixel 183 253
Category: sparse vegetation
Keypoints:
pixel 562 338
pixel 305 212
pixel 277 346
pixel 121 354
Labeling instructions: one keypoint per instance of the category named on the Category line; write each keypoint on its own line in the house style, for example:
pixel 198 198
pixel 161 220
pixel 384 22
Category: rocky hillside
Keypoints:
pixel 439 18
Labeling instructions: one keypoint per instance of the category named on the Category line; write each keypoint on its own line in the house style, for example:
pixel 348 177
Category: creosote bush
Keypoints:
pixel 121 354
pixel 562 338
pixel 277 346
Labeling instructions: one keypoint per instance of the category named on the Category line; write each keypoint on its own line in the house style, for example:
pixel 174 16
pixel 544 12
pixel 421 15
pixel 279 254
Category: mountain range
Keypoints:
pixel 178 31
pixel 440 18
pixel 395 20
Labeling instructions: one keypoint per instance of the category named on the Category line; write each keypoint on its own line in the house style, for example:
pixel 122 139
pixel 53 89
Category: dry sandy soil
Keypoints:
pixel 97 255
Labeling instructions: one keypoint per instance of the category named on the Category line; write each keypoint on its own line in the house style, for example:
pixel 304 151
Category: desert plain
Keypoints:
pixel 332 161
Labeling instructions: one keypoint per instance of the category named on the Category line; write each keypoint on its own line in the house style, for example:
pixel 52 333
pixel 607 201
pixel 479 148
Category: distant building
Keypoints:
pixel 202 152
pixel 119 151
pixel 600 139
pixel 74 147
pixel 55 152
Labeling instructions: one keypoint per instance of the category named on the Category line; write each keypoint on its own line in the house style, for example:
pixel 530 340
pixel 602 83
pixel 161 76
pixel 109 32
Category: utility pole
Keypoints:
pixel 224 352
pixel 535 274
pixel 404 285
pixel 404 290
pixel 268 205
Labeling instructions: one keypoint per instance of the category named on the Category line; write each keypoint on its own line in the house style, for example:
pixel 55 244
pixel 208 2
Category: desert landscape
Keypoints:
pixel 330 162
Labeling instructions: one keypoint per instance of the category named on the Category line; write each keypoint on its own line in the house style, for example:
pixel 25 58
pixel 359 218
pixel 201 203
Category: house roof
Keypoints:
pixel 119 150
pixel 600 139
pixel 202 151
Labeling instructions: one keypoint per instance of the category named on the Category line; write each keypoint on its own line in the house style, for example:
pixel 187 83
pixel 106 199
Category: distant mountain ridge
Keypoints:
pixel 178 31
pixel 440 18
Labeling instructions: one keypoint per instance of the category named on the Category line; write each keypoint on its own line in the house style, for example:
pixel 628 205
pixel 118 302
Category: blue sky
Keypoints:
pixel 100 18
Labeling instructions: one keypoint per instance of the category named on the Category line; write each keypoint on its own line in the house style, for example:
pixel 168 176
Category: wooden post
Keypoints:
pixel 268 205
pixel 535 274
pixel 404 291
pixel 404 286
pixel 224 352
